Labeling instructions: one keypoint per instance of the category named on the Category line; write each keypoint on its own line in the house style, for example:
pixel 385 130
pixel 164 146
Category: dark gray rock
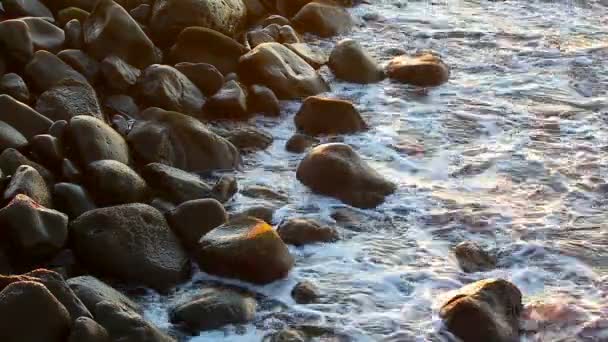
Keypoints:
pixel 27 8
pixel 118 75
pixel 262 99
pixel 205 76
pixel 23 37
pixel 299 143
pixel 323 19
pixel 175 185
pixel 193 219
pixel 111 182
pixel 70 13
pixel 93 291
pixel 72 199
pixel 11 160
pixel 472 258
pixel 262 212
pixel 305 292
pixel 304 231
pixel 74 36
pixel 127 326
pixel 23 118
pixel 13 85
pixel 93 140
pixel 81 62
pixel 67 99
pixel 47 149
pixel 230 102
pixel 10 137
pixel 321 115
pixel 29 182
pixel 86 329
pixel 46 70
pixel 225 188
pixel 121 104
pixel 141 13
pixel 249 139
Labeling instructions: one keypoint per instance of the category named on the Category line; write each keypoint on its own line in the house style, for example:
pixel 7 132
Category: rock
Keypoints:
pixel 423 71
pixel 56 5
pixel 288 335
pixel 213 308
pixel 93 291
pixel 287 35
pixel 230 102
pixel 305 292
pixel 304 231
pixel 111 182
pixel 127 326
pixel 5 264
pixel 81 62
pixel 282 70
pixel 13 85
pixel 30 313
pixel 74 37
pixel 47 149
pixel 180 141
pixel 86 329
pixel 118 75
pixel 193 219
pixel 121 124
pixel 38 232
pixel 255 9
pixel 289 8
pixel 472 258
pixel 315 58
pixel 23 118
pixel 27 8
pixel 175 185
pixel 110 31
pixel 323 19
pixel 321 115
pixel 11 160
pixel 351 63
pixel 141 13
pixel 262 99
pixel 93 140
pixel 275 19
pixel 244 248
pixel 46 71
pixel 58 129
pixel 262 192
pixel 274 30
pixel 165 87
pixel 170 17
pixel 10 137
pixel 191 46
pixel 67 99
pixel 249 139
pixel 487 310
pixel 69 171
pixel 29 182
pixel 259 36
pixel 121 104
pixel 71 13
pixel 132 243
pixel 336 170
pixel 262 212
pixel 299 143
pixel 72 199
pixel 23 37
pixel 225 188
pixel 205 76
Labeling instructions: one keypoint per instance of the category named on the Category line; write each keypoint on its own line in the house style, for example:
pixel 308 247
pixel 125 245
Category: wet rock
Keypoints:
pixel 255 9
pixel 282 70
pixel 86 329
pixel 92 291
pixel 13 85
pixel 162 205
pixel 120 124
pixel 336 170
pixel 121 104
pixel 262 99
pixel 289 8
pixel 249 139
pixel 191 46
pixel 487 310
pixel 262 212
pixel 259 36
pixel 321 115
pixel 175 185
pixel 118 75
pixel 180 141
pixel 46 71
pixel 31 313
pixel 74 36
pixel 110 31
pixel 23 37
pixel 274 30
pixel 304 231
pixel 56 5
pixel 93 140
pixel 244 248
pixel 11 160
pixel 193 219
pixel 424 71
pixel 213 308
pixel 351 63
pixel 71 13
pixel 288 335
pixel 10 137
pixel 81 62
pixel 262 192
pixel 72 199
pixel 165 87
pixel 225 188
pixel 315 58
pixel 22 117
pixel 27 8
pixel 37 232
pixel 29 182
pixel 472 258
pixel 299 143
pixel 132 243
pixel 111 182
pixel 67 99
pixel 287 35
pixel 230 102
pixel 58 129
pixel 125 325
pixel 47 149
pixel 205 76
pixel 170 17
pixel 141 13
pixel 305 292
pixel 323 19
pixel 69 171
pixel 275 19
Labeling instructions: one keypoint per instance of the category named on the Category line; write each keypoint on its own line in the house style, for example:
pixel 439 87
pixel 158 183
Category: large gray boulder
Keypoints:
pixel 67 99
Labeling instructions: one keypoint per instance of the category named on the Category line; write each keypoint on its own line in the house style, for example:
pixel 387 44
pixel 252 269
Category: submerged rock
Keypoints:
pixel 125 325
pixel 472 258
pixel 424 71
pixel 305 292
pixel 304 231
pixel 299 143
pixel 321 115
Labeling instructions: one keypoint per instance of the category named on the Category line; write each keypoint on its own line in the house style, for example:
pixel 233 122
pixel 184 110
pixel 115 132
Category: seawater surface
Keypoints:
pixel 511 153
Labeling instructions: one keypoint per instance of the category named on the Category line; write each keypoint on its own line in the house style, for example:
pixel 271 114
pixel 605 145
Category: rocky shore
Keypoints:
pixel 122 124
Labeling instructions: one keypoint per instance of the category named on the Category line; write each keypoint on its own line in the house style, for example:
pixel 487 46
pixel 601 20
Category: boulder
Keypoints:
pixel 225 188
pixel 81 62
pixel 23 37
pixel 71 13
pixel 27 8
pixel 315 58
pixel 193 219
pixel 67 99
pixel 125 325
pixel 110 31
pixel 193 44
pixel 72 199
pixel 111 182
pixel 299 143
pixel 245 248
pixel 472 258
pixel 351 63
pixel 30 313
pixel 180 141
pixel 118 75
pixel 289 8
pixel 22 117
pixel 287 35
pixel 205 76
pixel 27 181
pixel 92 291
pixel 86 329
pixel 93 140
pixel 487 310
pixel 282 70
pixel 13 85
pixel 10 137
pixel 213 308
pixel 132 243
pixel 336 170
pixel 304 231
pixel 323 19
pixel 46 71
pixel 165 87
pixel 423 71
pixel 175 185
pixel 230 102
pixel 305 292
pixel 11 160
pixel 47 149
pixel 321 115
pixel 170 17
pixel 261 99
pixel 74 36
pixel 259 36
pixel 249 139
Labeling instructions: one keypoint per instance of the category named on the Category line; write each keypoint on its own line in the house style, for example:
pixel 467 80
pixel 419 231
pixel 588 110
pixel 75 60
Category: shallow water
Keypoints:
pixel 510 153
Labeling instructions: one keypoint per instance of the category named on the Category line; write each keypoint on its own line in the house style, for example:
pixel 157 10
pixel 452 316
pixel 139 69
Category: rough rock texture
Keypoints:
pixel 74 37
pixel 304 231
pixel 10 137
pixel 111 182
pixel 424 71
pixel 262 99
pixel 299 143
pixel 46 148
pixel 350 62
pixel 193 219
pixel 81 62
pixel 336 170
pixel 13 85
pixel 249 139
pixel 323 19
pixel 72 199
pixel 205 76
pixel 22 117
pixel 67 99
pixel 315 58
pixel 46 70
pixel 305 292
pixel 27 181
pixel 93 140
pixel 92 291
pixel 118 75
pixel 175 185
pixel 230 102
pixel 23 37
pixel 321 115
pixel 86 329
pixel 11 160
pixel 125 325
pixel 472 258
pixel 27 8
